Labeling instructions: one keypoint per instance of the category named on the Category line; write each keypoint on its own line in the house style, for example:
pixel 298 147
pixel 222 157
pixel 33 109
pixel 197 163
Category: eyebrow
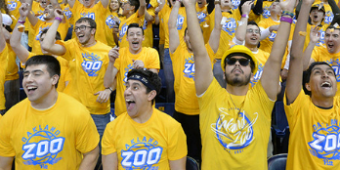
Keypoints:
pixel 34 71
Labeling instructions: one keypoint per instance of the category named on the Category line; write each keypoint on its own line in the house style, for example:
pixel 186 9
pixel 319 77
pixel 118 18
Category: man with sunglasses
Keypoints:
pixel 88 62
pixel 235 122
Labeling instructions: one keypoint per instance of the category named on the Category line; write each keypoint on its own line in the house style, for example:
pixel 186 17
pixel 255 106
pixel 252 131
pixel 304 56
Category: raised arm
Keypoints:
pixel 214 40
pixel 6 163
pixel 110 162
pixel 203 69
pixel 19 49
pixel 48 43
pixel 173 32
pixel 271 71
pixel 105 3
pixel 242 26
pixel 89 159
pixel 2 37
pixel 294 79
pixel 314 38
pixel 142 7
pixel 111 71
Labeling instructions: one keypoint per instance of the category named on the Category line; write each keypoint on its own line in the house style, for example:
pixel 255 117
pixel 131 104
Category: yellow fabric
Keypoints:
pixel 12 67
pixel 37 11
pixel 63 71
pixel 322 35
pixel 228 30
pixel 4 63
pixel 13 8
pixel 29 134
pixel 163 23
pixel 148 32
pixel 313 142
pixel 322 54
pixel 87 82
pixel 319 1
pixel 39 27
pixel 123 26
pixel 181 25
pixel 109 24
pixel 160 136
pixel 328 14
pixel 184 73
pixel 97 13
pixel 266 9
pixel 262 58
pixel 204 20
pixel 67 12
pixel 124 64
pixel 234 129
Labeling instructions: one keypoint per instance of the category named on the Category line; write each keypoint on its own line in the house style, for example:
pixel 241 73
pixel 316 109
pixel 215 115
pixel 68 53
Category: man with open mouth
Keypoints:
pixel 143 137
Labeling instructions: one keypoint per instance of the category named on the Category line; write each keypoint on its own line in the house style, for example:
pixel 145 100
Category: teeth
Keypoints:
pixel 30 88
pixel 326 83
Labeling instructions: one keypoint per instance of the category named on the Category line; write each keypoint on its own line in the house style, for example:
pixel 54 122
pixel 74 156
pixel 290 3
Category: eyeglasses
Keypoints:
pixel 81 28
pixel 242 61
pixel 256 31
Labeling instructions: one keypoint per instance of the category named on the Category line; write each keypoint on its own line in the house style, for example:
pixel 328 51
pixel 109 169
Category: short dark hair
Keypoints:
pixel 134 25
pixel 57 35
pixel 89 20
pixel 253 23
pixel 134 3
pixel 152 77
pixel 308 73
pixel 252 64
pixel 332 27
pixel 53 66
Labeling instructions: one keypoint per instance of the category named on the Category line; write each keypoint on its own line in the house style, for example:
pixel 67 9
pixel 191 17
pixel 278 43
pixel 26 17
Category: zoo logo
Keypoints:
pixel 122 32
pixel 236 3
pixel 127 69
pixel 201 17
pixel 180 22
pixel 42 147
pixel 91 15
pixel 189 68
pixel 230 26
pixel 258 74
pixel 110 22
pixel 91 64
pixel 12 5
pixel 329 17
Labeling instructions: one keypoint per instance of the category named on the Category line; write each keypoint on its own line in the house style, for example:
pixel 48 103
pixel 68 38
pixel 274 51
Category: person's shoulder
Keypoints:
pixel 166 119
pixel 18 108
pixel 149 49
pixel 70 104
pixel 103 46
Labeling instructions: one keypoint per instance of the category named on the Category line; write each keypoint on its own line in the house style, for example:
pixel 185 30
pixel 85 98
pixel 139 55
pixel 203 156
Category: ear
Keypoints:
pixel 143 38
pixel 55 79
pixel 93 31
pixel 307 85
pixel 252 77
pixel 224 75
pixel 151 95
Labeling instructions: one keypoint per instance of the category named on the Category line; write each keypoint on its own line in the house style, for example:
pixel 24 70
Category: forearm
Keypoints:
pixel 148 17
pixel 109 75
pixel 241 29
pixel 32 19
pixel 89 160
pixel 50 36
pixel 174 40
pixel 156 19
pixel 2 40
pixel 214 39
pixel 142 8
pixel 20 51
pixel 307 55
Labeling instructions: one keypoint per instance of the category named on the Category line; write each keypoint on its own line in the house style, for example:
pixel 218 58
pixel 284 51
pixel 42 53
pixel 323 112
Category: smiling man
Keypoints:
pixel 49 129
pixel 134 56
pixel 143 137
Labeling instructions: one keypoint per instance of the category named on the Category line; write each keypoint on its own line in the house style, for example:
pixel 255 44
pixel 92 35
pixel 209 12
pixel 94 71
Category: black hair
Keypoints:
pixel 52 64
pixel 308 73
pixel 135 3
pixel 252 64
pixel 44 31
pixel 332 27
pixel 134 25
pixel 7 27
pixel 89 20
pixel 152 77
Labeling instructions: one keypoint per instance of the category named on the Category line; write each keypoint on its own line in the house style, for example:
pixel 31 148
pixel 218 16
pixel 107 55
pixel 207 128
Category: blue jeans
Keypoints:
pixel 169 76
pixel 218 73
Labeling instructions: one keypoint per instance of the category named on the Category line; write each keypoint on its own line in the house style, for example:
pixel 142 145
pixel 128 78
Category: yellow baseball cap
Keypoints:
pixel 239 49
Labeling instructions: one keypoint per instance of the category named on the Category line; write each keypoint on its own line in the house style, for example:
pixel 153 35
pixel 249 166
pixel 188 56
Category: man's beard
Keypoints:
pixel 237 81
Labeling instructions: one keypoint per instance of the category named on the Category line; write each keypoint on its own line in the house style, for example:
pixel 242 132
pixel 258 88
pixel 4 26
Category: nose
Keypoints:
pixel 325 75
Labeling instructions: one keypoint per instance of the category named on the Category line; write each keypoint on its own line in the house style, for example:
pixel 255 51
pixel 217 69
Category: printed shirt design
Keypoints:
pixel 258 74
pixel 12 5
pixel 122 32
pixel 234 132
pixel 229 25
pixel 91 15
pixel 42 146
pixel 326 142
pixel 336 67
pixel 329 17
pixel 266 12
pixel 91 64
pixel 141 153
pixel 236 3
pixel 127 69
pixel 201 16
pixel 189 67
pixel 180 22
pixel 110 22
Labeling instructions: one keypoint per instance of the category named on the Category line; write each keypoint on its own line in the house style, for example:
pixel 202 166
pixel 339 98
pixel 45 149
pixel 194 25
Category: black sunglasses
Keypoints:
pixel 242 61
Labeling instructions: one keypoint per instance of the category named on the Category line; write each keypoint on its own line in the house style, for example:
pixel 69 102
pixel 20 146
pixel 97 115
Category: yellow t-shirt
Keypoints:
pixel 322 54
pixel 163 23
pixel 124 64
pixel 328 14
pixel 228 29
pixel 54 138
pixel 3 70
pixel 314 134
pixel 262 58
pixel 13 8
pixel 322 35
pixel 39 27
pixel 156 141
pixel 234 129
pixel 68 13
pixel 123 26
pixel 181 25
pixel 38 11
pixel 266 9
pixel 204 20
pixel 63 71
pixel 109 24
pixel 87 67
pixel 184 73
pixel 148 32
pixel 97 13
pixel 12 67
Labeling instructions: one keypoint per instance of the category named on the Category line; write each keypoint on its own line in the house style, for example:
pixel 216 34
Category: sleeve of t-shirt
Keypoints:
pixel 68 45
pixel 177 147
pixel 87 137
pixel 315 54
pixel 292 110
pixel 211 53
pixel 6 149
pixel 108 146
pixel 153 60
pixel 259 95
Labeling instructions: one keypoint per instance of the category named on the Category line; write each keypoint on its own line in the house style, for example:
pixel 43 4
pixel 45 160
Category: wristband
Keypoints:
pixel 21 22
pixel 287 19
pixel 110 89
pixel 59 19
pixel 288 13
pixel 244 15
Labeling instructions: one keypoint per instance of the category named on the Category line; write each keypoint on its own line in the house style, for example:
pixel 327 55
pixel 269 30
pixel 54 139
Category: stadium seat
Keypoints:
pixel 277 162
pixel 191 164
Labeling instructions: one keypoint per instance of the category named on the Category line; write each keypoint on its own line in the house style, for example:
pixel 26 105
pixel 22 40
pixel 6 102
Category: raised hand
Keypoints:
pixel 287 5
pixel 137 64
pixel 188 2
pixel 315 34
pixel 246 7
pixel 24 10
pixel 114 54
pixel 59 13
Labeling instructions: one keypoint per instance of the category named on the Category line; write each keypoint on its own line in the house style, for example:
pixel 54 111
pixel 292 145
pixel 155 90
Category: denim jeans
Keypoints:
pixel 218 73
pixel 169 76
